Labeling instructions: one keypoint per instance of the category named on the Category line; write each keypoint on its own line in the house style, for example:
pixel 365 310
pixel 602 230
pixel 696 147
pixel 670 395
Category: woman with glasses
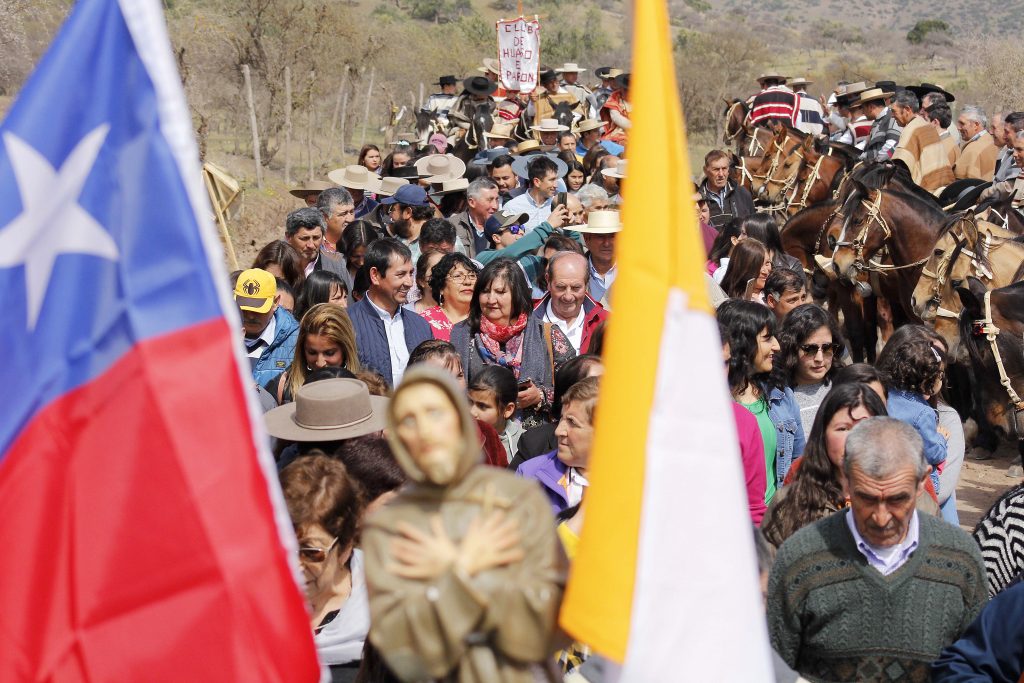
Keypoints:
pixel 451 284
pixel 325 506
pixel 810 346
pixel 501 330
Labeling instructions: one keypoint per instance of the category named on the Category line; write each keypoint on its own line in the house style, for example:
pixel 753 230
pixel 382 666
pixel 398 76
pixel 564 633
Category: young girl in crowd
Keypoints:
pixel 817 488
pixel 750 264
pixel 492 399
pixel 750 328
pixel 811 344
pixel 915 368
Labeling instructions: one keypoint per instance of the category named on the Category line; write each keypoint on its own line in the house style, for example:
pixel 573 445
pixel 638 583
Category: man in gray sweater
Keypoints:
pixel 876 591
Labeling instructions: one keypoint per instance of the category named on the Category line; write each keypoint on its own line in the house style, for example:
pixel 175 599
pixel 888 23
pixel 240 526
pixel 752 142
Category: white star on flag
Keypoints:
pixel 51 222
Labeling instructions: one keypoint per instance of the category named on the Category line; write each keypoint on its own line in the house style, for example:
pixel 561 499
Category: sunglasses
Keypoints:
pixel 315 555
pixel 514 229
pixel 829 349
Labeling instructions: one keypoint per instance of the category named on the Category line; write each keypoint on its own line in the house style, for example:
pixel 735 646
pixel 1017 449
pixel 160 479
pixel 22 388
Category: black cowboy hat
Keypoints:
pixel 603 71
pixel 952 192
pixel 969 197
pixel 548 75
pixel 925 88
pixel 622 80
pixel 447 80
pixel 479 85
pixel 888 86
pixel 409 172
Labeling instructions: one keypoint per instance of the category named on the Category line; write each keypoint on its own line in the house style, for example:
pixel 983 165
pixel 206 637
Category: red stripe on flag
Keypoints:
pixel 138 533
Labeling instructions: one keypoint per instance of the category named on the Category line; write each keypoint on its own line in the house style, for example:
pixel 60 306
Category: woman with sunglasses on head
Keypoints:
pixel 325 505
pixel 810 347
pixel 750 332
pixel 451 284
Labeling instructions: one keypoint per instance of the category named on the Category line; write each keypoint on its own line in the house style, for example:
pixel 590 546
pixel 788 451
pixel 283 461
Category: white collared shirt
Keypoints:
pixel 600 285
pixel 524 203
pixel 257 346
pixel 573 330
pixel 394 328
pixel 575 484
pixel 886 560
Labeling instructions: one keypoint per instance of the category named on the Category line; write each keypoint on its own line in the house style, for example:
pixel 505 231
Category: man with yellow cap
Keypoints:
pixel 270 331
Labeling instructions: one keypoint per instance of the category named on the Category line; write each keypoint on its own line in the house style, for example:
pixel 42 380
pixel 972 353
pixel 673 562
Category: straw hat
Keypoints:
pixel 451 187
pixel 308 188
pixel 570 68
pixel 601 223
pixel 390 184
pixel 618 172
pixel 800 81
pixel 872 95
pixel 490 65
pixel 771 75
pixel 587 125
pixel 440 167
pixel 499 131
pixel 549 126
pixel 328 410
pixel 355 177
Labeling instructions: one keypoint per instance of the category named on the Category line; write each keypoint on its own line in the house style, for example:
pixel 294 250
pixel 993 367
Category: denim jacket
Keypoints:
pixel 784 413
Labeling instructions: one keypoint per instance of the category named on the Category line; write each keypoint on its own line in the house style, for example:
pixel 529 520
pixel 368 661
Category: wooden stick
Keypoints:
pixel 215 199
pixel 344 118
pixel 309 125
pixel 337 102
pixel 252 124
pixel 421 94
pixel 288 126
pixel 366 115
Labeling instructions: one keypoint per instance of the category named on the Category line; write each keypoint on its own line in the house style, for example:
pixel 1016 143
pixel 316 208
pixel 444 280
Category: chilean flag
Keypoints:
pixel 142 533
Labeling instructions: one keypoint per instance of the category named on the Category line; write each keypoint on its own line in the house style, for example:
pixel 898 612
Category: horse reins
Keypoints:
pixel 991 332
pixel 874 209
pixel 945 264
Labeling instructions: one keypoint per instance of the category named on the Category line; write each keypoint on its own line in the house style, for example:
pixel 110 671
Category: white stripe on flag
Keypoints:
pixel 697 611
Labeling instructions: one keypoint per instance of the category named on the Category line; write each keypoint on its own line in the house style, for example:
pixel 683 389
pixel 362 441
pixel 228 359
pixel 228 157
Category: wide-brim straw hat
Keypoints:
pixel 521 166
pixel 619 171
pixel 310 187
pixel 390 184
pixel 569 68
pixel 601 223
pixel 550 126
pixel 328 410
pixel 451 187
pixel 800 80
pixel 490 65
pixel 500 131
pixel 872 95
pixel 438 168
pixel 355 177
pixel 587 125
pixel 771 75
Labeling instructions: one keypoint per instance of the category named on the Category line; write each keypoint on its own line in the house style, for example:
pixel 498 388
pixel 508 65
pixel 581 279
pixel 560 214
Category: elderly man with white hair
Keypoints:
pixel 978 152
pixel 876 591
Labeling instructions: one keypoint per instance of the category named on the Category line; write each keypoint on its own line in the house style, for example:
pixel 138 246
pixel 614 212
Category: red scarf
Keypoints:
pixel 492 336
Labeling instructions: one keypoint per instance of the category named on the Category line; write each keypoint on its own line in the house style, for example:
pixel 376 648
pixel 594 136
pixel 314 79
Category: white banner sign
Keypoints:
pixel 519 53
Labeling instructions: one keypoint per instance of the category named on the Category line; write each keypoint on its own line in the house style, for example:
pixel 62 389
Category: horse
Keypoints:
pixel 735 131
pixel 473 139
pixel 1002 213
pixel 764 175
pixel 810 237
pixel 992 330
pixel 427 123
pixel 809 175
pixel 968 247
pixel 563 113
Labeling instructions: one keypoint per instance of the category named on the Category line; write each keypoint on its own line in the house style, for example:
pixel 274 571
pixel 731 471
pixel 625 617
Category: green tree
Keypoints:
pixel 916 35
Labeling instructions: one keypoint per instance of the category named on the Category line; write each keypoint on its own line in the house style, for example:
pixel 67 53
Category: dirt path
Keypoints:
pixel 982 482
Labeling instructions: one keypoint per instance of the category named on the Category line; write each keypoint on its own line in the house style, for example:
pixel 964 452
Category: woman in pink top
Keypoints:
pixel 451 282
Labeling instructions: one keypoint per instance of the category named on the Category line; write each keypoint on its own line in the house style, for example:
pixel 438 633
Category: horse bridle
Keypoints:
pixel 874 209
pixel 945 264
pixel 729 137
pixel 991 332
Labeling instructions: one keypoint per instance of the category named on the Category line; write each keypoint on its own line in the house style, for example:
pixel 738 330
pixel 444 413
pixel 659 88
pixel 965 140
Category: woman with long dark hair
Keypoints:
pixel 369 157
pixel 750 264
pixel 354 240
pixel 501 329
pixel 817 488
pixel 750 328
pixel 811 344
pixel 280 259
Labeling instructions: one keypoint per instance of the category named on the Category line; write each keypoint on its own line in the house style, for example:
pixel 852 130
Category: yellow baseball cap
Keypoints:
pixel 255 290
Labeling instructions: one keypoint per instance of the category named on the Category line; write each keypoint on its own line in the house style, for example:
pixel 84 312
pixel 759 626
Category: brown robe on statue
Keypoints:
pixel 495 627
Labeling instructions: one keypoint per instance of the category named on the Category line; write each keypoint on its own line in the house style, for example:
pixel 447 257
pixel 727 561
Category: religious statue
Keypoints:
pixel 463 567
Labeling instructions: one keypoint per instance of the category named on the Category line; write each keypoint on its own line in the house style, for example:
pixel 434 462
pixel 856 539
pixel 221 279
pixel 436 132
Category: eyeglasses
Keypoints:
pixel 315 555
pixel 828 349
pixel 462 277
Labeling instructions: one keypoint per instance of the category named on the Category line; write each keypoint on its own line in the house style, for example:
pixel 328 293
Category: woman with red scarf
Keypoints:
pixel 616 110
pixel 500 330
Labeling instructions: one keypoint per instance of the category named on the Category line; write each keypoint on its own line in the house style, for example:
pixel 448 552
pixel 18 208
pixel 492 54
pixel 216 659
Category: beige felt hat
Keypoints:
pixel 618 172
pixel 587 125
pixel 872 94
pixel 499 131
pixel 773 75
pixel 601 223
pixel 441 167
pixel 328 410
pixel 490 65
pixel 549 126
pixel 451 187
pixel 389 185
pixel 800 81
pixel 569 68
pixel 355 177
pixel 309 187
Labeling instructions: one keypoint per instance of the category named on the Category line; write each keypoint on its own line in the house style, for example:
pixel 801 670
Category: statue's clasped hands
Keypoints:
pixel 490 541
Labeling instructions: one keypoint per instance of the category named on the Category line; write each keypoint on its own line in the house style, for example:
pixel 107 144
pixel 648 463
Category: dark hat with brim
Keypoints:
pixel 888 86
pixel 927 88
pixel 487 156
pixel 447 80
pixel 622 80
pixel 409 172
pixel 603 72
pixel 969 197
pixel 951 193
pixel 479 85
pixel 548 75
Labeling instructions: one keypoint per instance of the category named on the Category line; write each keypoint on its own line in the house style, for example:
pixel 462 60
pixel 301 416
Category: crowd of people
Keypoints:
pixel 425 322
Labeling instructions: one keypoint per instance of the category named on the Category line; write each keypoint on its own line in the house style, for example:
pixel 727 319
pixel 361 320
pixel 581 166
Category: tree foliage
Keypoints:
pixel 916 35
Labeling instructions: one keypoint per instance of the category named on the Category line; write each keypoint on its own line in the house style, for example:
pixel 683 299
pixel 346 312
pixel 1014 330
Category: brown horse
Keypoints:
pixel 768 181
pixel 735 131
pixel 992 329
pixel 967 248
pixel 869 219
pixel 818 177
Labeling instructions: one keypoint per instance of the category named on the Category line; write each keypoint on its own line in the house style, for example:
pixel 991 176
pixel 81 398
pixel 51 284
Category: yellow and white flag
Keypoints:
pixel 665 579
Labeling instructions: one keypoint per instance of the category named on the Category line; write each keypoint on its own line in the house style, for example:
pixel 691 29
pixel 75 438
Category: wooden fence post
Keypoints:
pixel 288 126
pixel 369 95
pixel 252 124
pixel 309 125
pixel 337 106
pixel 344 118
